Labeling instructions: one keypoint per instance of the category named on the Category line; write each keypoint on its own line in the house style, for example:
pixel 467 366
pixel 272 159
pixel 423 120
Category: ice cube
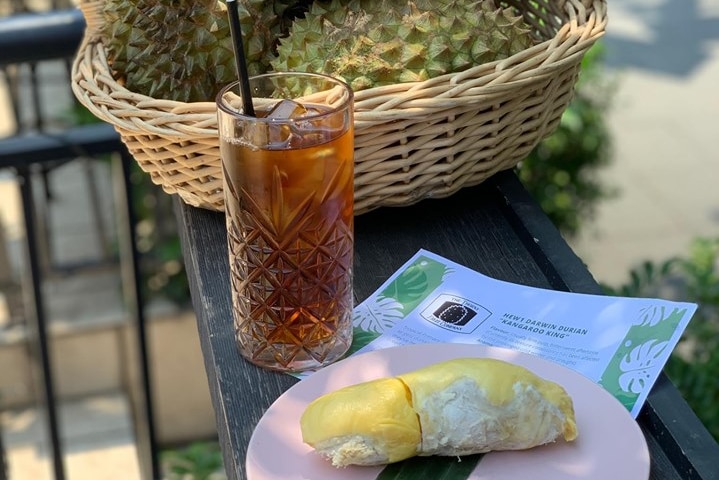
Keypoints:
pixel 280 134
pixel 254 136
pixel 287 109
pixel 314 130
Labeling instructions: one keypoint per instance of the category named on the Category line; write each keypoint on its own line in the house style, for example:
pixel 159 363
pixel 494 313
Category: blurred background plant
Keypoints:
pixel 561 172
pixel 162 271
pixel 161 267
pixel 197 461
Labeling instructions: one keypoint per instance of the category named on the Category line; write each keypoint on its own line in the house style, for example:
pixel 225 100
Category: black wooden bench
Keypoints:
pixel 494 228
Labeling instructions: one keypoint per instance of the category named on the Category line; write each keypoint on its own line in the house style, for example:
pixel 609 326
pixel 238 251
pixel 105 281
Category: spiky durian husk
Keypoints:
pixel 287 11
pixel 182 49
pixel 371 43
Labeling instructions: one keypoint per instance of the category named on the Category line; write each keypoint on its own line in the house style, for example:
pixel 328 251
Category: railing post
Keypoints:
pixel 3 462
pixel 42 353
pixel 142 406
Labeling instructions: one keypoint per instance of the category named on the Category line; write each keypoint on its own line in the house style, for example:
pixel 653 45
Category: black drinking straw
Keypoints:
pixel 242 75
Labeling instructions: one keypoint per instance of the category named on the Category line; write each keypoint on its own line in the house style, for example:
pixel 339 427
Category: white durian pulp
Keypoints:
pixel 460 420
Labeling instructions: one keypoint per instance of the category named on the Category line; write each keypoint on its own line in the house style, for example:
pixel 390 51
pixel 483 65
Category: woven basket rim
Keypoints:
pixel 94 86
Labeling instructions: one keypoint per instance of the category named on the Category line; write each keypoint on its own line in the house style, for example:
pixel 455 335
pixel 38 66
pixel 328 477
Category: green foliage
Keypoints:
pixel 158 242
pixel 694 365
pixel 161 269
pixel 197 461
pixel 561 172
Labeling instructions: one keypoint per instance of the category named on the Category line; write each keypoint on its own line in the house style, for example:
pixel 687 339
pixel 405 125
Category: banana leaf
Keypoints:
pixel 431 468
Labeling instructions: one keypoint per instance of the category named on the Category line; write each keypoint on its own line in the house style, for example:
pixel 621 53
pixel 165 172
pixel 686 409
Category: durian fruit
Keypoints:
pixel 457 407
pixel 182 49
pixel 369 423
pixel 287 11
pixel 371 43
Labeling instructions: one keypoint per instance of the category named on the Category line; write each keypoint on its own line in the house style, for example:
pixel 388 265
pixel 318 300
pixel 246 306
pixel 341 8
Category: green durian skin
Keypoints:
pixel 182 49
pixel 371 43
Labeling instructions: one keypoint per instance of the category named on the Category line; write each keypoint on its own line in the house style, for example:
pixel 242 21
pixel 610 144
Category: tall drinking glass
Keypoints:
pixel 289 196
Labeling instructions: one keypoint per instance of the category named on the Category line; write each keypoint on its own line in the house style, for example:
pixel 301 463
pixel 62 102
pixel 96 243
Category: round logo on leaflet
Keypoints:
pixel 455 313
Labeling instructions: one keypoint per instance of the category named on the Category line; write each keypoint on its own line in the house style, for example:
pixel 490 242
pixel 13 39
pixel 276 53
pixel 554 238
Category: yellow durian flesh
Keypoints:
pixel 473 405
pixel 456 407
pixel 370 423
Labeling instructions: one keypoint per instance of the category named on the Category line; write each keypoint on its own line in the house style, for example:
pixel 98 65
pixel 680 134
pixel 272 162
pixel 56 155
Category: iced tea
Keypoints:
pixel 289 191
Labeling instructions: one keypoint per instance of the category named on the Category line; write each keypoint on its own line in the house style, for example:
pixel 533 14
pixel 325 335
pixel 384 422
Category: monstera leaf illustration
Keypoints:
pixel 378 315
pixel 408 286
pixel 651 315
pixel 360 339
pixel 638 364
pixel 416 282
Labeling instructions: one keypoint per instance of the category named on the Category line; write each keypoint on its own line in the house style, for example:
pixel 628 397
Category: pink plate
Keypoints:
pixel 610 444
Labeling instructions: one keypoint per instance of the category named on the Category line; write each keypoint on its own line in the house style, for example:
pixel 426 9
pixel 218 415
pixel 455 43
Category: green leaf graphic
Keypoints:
pixel 638 364
pixel 360 339
pixel 378 314
pixel 416 282
pixel 626 375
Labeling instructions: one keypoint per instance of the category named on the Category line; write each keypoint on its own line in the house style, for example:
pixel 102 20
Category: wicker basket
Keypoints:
pixel 412 141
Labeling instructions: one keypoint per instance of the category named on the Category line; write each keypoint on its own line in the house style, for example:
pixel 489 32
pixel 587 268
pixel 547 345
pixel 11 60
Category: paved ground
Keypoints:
pixel 664 56
pixel 98 441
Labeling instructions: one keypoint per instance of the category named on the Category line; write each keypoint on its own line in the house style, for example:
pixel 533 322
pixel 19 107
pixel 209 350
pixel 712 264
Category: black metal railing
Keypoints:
pixel 30 38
